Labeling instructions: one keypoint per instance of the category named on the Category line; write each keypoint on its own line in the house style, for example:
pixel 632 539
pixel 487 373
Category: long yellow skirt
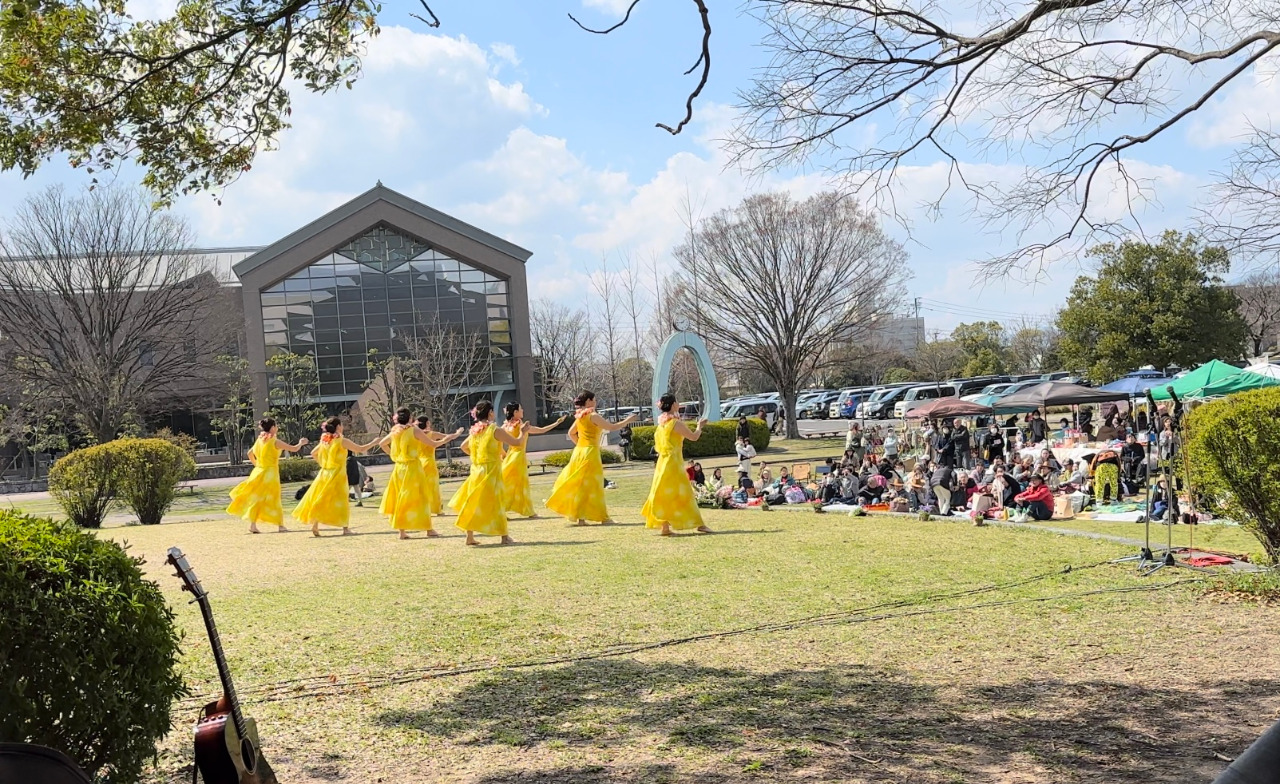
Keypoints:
pixel 478 501
pixel 405 501
pixel 516 496
pixel 671 499
pixel 578 493
pixel 257 498
pixel 326 501
pixel 431 471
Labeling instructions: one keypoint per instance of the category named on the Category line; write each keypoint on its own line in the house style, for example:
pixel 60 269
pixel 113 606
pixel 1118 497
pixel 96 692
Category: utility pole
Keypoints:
pixel 917 327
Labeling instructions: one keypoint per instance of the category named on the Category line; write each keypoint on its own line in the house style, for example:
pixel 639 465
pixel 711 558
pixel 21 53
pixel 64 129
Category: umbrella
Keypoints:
pixel 1264 369
pixel 1134 385
pixel 1056 393
pixel 948 407
pixel 1240 382
pixel 1192 383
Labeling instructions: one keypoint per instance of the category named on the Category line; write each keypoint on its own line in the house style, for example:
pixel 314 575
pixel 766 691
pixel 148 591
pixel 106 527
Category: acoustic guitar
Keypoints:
pixel 226 742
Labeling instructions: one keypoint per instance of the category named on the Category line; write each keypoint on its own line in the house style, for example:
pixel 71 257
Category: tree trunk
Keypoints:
pixel 789 410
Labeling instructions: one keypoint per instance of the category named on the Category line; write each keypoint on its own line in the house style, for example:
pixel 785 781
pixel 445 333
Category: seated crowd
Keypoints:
pixel 955 470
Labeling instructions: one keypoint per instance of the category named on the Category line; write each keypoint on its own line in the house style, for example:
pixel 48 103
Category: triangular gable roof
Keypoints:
pixel 379 193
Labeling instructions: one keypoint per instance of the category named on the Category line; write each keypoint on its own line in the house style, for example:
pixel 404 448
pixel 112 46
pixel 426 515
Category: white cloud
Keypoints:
pixel 505 53
pixel 618 7
pixel 1251 101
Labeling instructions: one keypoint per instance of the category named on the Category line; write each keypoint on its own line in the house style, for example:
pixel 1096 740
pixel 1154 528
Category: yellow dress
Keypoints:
pixel 479 501
pixel 257 499
pixel 326 500
pixel 405 500
pixel 671 498
pixel 578 493
pixel 516 496
pixel 432 474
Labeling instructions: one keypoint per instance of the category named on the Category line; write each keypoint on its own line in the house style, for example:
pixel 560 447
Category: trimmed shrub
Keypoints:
pixel 561 459
pixel 298 469
pixel 84 484
pixel 148 473
pixel 718 438
pixel 1233 448
pixel 89 648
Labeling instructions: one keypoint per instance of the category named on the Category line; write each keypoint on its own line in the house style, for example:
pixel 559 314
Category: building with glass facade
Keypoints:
pixel 375 274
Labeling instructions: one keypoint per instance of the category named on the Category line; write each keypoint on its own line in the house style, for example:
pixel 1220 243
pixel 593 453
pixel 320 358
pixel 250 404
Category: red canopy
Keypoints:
pixel 945 407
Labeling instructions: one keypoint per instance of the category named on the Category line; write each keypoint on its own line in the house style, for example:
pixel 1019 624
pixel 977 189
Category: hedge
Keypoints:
pixel 89 648
pixel 298 469
pixel 1233 448
pixel 140 472
pixel 561 459
pixel 718 438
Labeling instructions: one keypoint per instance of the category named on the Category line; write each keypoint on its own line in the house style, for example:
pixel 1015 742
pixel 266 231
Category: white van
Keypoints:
pixel 918 396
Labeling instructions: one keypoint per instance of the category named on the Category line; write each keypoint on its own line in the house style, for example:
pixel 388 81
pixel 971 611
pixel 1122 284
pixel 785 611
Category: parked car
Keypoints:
pixel 918 396
pixel 816 406
pixel 967 386
pixel 880 404
pixel 1009 389
pixel 993 389
pixel 846 406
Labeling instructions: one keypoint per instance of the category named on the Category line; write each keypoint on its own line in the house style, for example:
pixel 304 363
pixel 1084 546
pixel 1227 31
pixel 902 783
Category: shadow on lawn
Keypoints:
pixel 844 724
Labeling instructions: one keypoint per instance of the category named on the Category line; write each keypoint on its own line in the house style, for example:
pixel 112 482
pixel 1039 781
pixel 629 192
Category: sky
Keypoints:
pixel 510 117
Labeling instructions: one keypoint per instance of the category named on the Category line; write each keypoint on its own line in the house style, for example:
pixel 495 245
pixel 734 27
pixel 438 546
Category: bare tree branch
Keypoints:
pixel 626 18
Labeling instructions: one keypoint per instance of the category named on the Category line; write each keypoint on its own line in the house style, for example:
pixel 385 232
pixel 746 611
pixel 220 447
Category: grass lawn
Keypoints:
pixel 802 647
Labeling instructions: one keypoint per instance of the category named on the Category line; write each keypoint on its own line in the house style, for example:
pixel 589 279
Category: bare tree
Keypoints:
pixel 637 308
pixel 233 418
pixel 561 339
pixel 393 380
pixel 293 385
pixel 781 281
pixel 103 305
pixel 1259 296
pixel 1032 346
pixel 1244 214
pixel 449 363
pixel 1076 87
pixel 937 360
pixel 606 288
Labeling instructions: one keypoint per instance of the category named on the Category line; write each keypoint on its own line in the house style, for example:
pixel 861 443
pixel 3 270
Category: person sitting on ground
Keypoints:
pixel 1004 488
pixel 828 466
pixel 1108 430
pixel 745 485
pixel 1036 502
pixel 368 487
pixel 766 475
pixel 690 471
pixel 1046 458
pixel 717 480
pixel 1024 469
pixel 917 488
pixel 943 484
pixel 1048 477
pixel 1072 476
pixel 966 489
pixel 829 491
pixel 849 460
pixel 699 478
pixel 850 486
pixel 873 488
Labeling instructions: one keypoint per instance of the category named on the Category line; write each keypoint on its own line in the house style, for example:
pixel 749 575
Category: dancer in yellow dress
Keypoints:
pixel 257 499
pixel 479 501
pixel 405 499
pixel 516 496
pixel 671 503
pixel 578 493
pixel 429 467
pixel 326 501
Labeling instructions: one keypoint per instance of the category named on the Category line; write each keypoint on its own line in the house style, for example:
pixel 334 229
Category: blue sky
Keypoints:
pixel 510 117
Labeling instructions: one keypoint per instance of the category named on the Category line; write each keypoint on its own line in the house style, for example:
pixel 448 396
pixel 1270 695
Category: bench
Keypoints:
pixel 188 486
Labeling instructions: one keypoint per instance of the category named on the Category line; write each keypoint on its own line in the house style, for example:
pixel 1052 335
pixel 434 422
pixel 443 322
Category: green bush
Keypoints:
pixel 561 459
pixel 84 484
pixel 1233 448
pixel 718 438
pixel 88 647
pixel 184 441
pixel 148 473
pixel 298 469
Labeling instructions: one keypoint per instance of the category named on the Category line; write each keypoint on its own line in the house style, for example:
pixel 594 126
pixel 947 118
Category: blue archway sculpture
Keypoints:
pixel 707 374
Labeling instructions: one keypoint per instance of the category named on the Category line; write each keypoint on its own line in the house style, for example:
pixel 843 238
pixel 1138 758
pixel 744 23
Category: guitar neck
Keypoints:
pixel 224 671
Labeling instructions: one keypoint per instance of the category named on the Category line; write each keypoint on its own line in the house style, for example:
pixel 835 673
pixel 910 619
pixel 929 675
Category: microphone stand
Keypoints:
pixel 1171 507
pixel 1144 557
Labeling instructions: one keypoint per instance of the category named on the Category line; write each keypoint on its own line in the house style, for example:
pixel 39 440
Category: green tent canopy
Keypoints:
pixel 1240 382
pixel 1192 383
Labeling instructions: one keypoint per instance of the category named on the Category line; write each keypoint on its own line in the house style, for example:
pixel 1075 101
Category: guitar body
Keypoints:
pixel 222 756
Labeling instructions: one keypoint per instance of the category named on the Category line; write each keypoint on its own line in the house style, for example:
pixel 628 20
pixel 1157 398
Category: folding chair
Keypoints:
pixel 801 472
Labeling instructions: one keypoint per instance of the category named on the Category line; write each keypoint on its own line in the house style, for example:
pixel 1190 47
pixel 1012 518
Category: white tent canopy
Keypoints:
pixel 1265 369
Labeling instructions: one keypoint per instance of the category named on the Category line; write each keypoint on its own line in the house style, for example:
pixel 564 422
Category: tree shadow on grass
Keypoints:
pixel 843 724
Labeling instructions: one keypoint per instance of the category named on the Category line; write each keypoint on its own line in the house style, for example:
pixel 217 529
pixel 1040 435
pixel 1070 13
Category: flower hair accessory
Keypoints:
pixel 327 437
pixel 478 426
pixel 474 415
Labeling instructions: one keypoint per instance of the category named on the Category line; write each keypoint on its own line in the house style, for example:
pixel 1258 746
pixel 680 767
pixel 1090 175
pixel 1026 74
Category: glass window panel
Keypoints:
pixel 495 287
pixel 373 293
pixel 502 364
pixel 276 289
pixel 474 288
pixel 349 295
pixel 331 375
pixel 497 312
pixel 276 339
pixel 332 389
pixel 351 323
pixel 299 310
pixel 377 333
pixel 273 325
pixel 383 347
pixel 497 299
pixel 297 284
pixel 302 337
pixel 500 338
pixel 273 299
pixel 399 292
pixel 376 319
pixel 471 275
pixel 275 312
pixel 503 377
pixel 500 325
pixel 327 323
pixel 328 336
pixel 401 306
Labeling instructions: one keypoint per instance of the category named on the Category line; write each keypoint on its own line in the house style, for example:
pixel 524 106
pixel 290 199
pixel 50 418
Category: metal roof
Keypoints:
pixel 375 194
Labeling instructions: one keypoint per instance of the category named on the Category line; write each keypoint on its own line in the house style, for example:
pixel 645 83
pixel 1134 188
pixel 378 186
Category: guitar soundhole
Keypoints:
pixel 248 754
